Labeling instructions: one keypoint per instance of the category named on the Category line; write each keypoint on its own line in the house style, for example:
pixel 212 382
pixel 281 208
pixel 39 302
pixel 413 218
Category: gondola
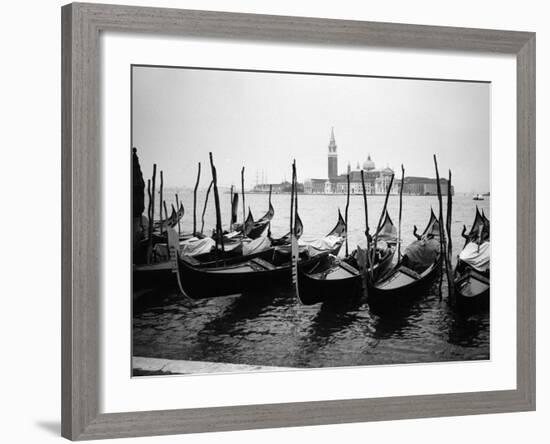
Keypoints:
pixel 159 273
pixel 171 221
pixel 159 237
pixel 254 229
pixel 337 280
pixel 283 244
pixel 415 271
pixel 270 267
pixel 472 283
pixel 237 247
pixel 234 243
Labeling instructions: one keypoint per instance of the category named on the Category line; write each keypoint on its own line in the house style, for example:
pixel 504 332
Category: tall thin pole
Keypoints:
pixel 292 203
pixel 177 215
pixel 442 249
pixel 364 274
pixel 205 205
pixel 195 201
pixel 234 208
pixel 449 237
pixel 346 215
pixel 150 226
pixel 242 190
pixel 400 213
pixel 219 233
pixel 373 252
pixel 295 252
pixel 295 198
pixel 152 221
pixel 231 209
pixel 161 201
pixel 269 208
pixel 365 206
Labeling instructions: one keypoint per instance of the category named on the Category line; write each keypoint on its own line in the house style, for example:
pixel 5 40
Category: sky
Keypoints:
pixel 263 121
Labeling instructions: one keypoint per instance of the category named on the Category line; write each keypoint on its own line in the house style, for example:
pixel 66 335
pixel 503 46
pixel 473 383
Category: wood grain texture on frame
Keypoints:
pixel 81 172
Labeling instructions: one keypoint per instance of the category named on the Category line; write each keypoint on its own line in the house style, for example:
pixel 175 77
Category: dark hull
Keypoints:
pixel 158 275
pixel 241 276
pixel 336 283
pixel 333 283
pixel 210 260
pixel 399 289
pixel 472 291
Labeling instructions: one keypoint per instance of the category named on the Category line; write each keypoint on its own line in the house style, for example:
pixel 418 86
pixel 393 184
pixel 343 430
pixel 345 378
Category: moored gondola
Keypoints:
pixel 171 221
pixel 415 271
pixel 269 267
pixel 203 250
pixel 204 254
pixel 472 273
pixel 338 280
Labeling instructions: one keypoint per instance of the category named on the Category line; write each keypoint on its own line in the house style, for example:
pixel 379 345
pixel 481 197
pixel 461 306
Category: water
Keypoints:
pixel 271 328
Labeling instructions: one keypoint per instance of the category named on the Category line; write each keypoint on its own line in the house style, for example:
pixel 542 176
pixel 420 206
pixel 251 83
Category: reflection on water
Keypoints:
pixel 271 328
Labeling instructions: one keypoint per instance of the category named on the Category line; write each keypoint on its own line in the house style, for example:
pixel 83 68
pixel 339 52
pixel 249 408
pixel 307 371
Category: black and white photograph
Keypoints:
pixel 287 221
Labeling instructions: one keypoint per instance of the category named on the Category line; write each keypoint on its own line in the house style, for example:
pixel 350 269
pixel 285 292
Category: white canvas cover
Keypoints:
pixel 232 234
pixel 256 245
pixel 320 245
pixel 196 246
pixel 478 258
pixel 232 245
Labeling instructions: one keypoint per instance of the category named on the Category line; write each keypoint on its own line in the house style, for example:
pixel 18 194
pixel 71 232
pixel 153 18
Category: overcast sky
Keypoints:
pixel 264 120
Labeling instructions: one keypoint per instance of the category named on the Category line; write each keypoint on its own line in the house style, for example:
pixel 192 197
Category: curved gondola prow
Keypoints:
pixel 487 223
pixel 340 228
pixel 171 221
pixel 268 216
pixel 387 232
pixel 480 223
pixel 478 220
pixel 432 228
pixel 248 223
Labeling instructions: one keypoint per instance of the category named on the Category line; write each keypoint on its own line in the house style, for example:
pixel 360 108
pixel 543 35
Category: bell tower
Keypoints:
pixel 332 157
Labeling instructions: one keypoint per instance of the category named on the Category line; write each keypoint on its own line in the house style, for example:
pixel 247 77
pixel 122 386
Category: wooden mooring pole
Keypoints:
pixel 195 200
pixel 346 216
pixel 381 218
pixel 442 243
pixel 219 231
pixel 205 205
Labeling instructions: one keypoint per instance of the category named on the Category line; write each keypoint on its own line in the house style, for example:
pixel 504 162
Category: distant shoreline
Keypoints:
pixel 351 194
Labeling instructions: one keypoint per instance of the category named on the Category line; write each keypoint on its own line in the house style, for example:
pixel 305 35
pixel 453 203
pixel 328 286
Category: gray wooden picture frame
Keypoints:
pixel 81 167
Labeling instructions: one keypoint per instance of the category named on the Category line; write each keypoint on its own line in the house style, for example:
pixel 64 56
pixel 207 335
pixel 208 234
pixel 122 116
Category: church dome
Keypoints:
pixel 369 164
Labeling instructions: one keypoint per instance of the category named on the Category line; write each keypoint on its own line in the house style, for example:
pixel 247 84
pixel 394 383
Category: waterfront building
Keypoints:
pixel 377 180
pixel 315 186
pixel 277 188
pixel 425 186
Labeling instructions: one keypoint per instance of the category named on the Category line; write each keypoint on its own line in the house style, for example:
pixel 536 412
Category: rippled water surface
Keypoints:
pixel 271 328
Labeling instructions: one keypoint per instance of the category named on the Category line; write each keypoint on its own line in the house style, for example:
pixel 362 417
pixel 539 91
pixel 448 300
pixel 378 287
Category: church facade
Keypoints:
pixel 377 180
